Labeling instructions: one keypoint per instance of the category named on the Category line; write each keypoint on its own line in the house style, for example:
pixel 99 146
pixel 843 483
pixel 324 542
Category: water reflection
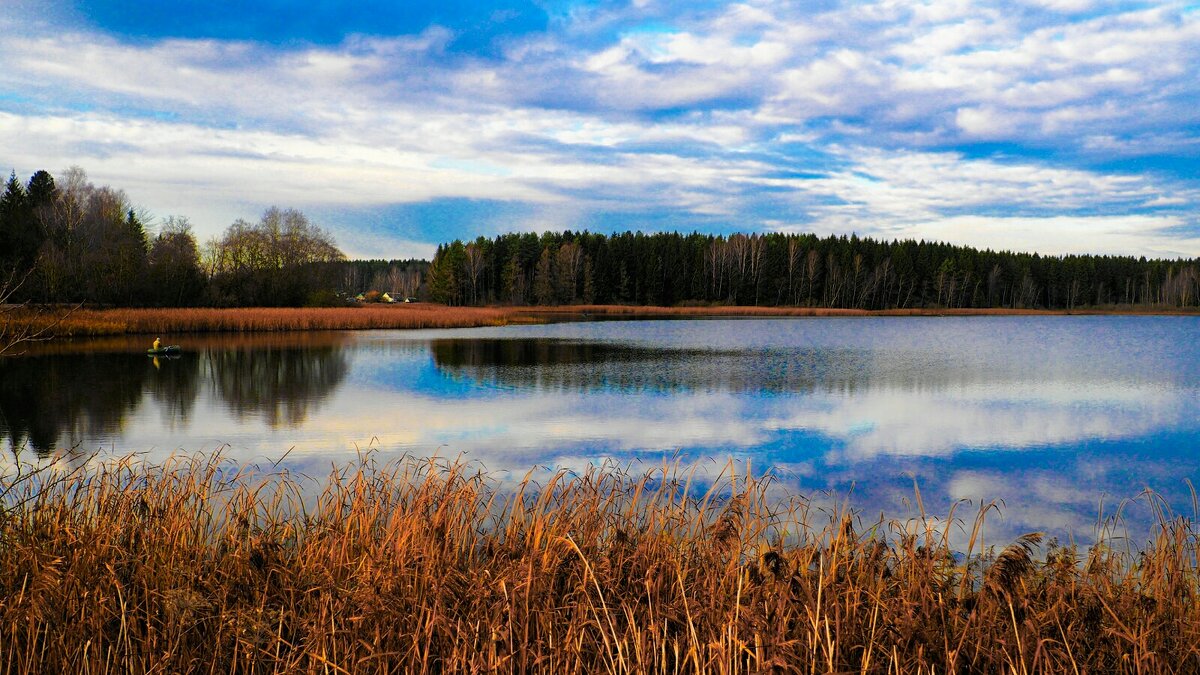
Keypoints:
pixel 1049 414
pixel 1056 417
pixel 81 395
pixel 871 401
pixel 280 386
pixel 892 421
pixel 45 398
pixel 585 366
pixel 175 386
pixel 580 366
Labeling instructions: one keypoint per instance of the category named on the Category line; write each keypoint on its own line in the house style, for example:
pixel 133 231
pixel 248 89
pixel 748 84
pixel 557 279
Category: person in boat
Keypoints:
pixel 156 345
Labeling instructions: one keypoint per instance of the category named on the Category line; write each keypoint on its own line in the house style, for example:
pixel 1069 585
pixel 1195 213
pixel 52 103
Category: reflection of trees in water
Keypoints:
pixel 585 366
pixel 175 386
pixel 279 384
pixel 46 400
pixel 54 400
pixel 549 364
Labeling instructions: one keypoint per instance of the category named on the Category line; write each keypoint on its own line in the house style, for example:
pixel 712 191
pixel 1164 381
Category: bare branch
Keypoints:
pixel 23 323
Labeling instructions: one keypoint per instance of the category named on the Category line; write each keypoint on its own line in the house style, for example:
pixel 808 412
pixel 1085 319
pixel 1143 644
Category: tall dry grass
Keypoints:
pixel 423 567
pixel 69 323
pixel 97 322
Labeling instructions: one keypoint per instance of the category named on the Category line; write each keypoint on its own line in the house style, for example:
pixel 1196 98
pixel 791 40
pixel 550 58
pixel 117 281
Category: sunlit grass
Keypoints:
pixel 91 322
pixel 105 322
pixel 425 566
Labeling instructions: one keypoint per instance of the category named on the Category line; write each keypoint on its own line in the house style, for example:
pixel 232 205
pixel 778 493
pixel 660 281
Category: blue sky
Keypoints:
pixel 1050 125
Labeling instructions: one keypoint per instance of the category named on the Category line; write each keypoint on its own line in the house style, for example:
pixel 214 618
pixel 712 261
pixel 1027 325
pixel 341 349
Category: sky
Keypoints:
pixel 1057 126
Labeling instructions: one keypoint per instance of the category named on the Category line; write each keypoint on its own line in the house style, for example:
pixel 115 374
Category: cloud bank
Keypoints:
pixel 1066 126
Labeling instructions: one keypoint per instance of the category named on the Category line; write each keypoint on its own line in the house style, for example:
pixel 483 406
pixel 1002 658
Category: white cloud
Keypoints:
pixel 985 122
pixel 566 119
pixel 932 196
pixel 1060 235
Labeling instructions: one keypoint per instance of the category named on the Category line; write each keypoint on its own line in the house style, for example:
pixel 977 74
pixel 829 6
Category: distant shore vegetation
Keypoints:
pixel 428 566
pixel 65 241
pixel 70 241
pixel 93 323
pixel 793 270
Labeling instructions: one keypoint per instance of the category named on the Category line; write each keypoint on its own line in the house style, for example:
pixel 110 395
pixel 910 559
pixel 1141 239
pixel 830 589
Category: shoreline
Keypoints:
pixel 735 311
pixel 84 323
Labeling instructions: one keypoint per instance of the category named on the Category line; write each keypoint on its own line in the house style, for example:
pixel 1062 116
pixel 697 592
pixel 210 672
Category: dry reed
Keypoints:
pixel 420 566
pixel 96 322
pixel 106 322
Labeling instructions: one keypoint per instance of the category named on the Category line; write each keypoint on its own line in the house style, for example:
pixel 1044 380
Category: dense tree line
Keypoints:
pixel 70 235
pixel 794 270
pixel 282 260
pixel 72 241
pixel 68 241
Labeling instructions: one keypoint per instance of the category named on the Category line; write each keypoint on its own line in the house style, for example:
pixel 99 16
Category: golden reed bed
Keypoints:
pixel 422 567
pixel 97 322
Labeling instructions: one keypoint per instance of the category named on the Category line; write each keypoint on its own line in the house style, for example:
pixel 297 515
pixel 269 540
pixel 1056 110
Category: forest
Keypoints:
pixel 803 270
pixel 70 241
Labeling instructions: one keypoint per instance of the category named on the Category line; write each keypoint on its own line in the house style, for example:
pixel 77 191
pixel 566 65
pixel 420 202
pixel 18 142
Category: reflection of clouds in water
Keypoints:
pixel 1072 502
pixel 878 398
pixel 982 486
pixel 878 422
pixel 858 408
pixel 1042 500
pixel 509 434
pixel 535 427
pixel 540 424
pixel 886 421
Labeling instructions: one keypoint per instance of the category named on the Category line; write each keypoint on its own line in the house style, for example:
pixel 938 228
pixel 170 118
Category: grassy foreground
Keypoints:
pixel 419 566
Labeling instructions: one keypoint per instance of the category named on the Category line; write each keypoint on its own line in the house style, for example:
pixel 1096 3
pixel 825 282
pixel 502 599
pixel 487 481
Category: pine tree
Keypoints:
pixel 20 235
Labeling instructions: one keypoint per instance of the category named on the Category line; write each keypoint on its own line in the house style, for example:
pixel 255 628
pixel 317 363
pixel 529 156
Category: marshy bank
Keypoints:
pixel 65 322
pixel 419 565
pixel 107 322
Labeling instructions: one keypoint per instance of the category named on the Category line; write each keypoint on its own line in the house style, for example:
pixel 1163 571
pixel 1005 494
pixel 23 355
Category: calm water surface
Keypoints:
pixel 1057 416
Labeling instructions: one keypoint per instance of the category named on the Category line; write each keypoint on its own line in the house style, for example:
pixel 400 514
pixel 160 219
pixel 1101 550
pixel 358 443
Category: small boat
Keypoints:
pixel 168 350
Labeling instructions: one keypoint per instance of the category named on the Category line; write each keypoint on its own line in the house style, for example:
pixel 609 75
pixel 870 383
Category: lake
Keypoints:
pixel 1061 417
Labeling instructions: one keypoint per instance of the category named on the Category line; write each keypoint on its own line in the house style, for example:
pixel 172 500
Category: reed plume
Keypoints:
pixel 431 566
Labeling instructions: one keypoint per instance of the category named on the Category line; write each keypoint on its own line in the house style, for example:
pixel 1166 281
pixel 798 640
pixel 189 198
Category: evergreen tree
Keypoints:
pixel 444 277
pixel 41 189
pixel 18 236
pixel 837 271
pixel 543 280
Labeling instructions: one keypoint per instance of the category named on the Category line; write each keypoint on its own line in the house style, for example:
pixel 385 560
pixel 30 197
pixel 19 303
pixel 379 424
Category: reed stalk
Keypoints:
pixel 429 566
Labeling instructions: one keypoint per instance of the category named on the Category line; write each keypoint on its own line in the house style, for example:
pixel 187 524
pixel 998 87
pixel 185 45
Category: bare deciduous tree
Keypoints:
pixel 473 267
pixel 23 323
pixel 568 266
